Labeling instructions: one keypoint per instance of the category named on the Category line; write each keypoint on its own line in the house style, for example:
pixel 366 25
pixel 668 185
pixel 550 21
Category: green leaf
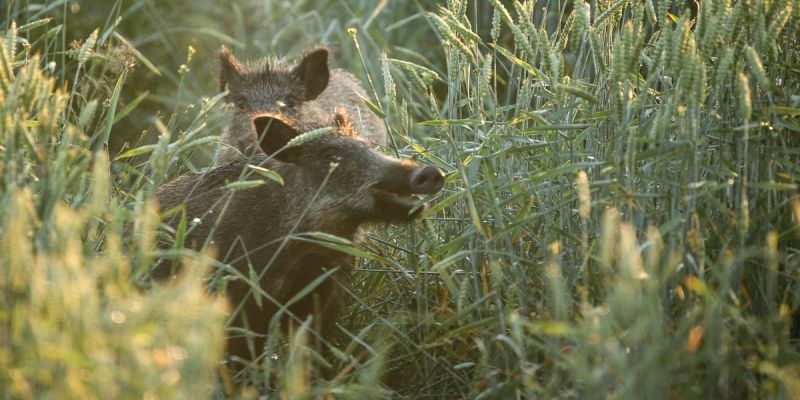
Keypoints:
pixel 527 67
pixel 130 107
pixel 267 173
pixel 374 108
pixel 148 148
pixel 180 232
pixel 328 237
pixel 448 122
pixel 243 185
pixel 783 110
pixel 339 244
pixel 561 127
pixel 304 292
pixel 113 107
pixel 576 91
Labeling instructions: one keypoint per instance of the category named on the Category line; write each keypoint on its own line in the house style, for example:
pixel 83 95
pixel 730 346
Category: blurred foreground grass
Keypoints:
pixel 73 322
pixel 620 217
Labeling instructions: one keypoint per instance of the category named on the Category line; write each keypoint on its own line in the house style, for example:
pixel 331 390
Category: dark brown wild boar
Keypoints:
pixel 247 226
pixel 307 91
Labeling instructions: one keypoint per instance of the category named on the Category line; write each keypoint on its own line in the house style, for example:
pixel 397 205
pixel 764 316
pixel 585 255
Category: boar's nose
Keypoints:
pixel 426 180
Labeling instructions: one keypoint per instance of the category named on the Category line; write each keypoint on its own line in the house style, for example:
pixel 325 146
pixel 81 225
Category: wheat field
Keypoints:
pixel 620 217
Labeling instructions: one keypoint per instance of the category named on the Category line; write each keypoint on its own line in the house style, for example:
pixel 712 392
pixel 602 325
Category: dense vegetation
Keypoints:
pixel 620 217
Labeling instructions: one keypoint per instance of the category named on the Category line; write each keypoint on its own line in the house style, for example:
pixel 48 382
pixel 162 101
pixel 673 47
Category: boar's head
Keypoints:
pixel 357 183
pixel 272 84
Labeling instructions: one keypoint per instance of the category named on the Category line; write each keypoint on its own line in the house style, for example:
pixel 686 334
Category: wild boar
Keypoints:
pixel 307 91
pixel 333 183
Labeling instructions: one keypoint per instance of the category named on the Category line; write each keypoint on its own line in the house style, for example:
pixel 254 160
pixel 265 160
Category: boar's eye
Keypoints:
pixel 238 100
pixel 333 157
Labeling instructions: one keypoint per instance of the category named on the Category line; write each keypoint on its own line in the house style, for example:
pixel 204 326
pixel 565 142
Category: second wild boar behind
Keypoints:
pixel 307 91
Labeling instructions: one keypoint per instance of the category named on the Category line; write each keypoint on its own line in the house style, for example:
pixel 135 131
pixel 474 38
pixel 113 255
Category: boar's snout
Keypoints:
pixel 426 180
pixel 396 194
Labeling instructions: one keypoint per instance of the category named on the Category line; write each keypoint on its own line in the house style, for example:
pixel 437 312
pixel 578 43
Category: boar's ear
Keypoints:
pixel 341 120
pixel 313 72
pixel 229 68
pixel 274 133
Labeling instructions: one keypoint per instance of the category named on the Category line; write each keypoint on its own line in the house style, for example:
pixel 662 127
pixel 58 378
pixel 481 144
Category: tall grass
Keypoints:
pixel 620 217
pixel 74 323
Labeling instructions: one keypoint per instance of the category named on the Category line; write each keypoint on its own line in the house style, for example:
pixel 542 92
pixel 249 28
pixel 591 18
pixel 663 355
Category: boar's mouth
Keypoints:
pixel 396 196
pixel 396 205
